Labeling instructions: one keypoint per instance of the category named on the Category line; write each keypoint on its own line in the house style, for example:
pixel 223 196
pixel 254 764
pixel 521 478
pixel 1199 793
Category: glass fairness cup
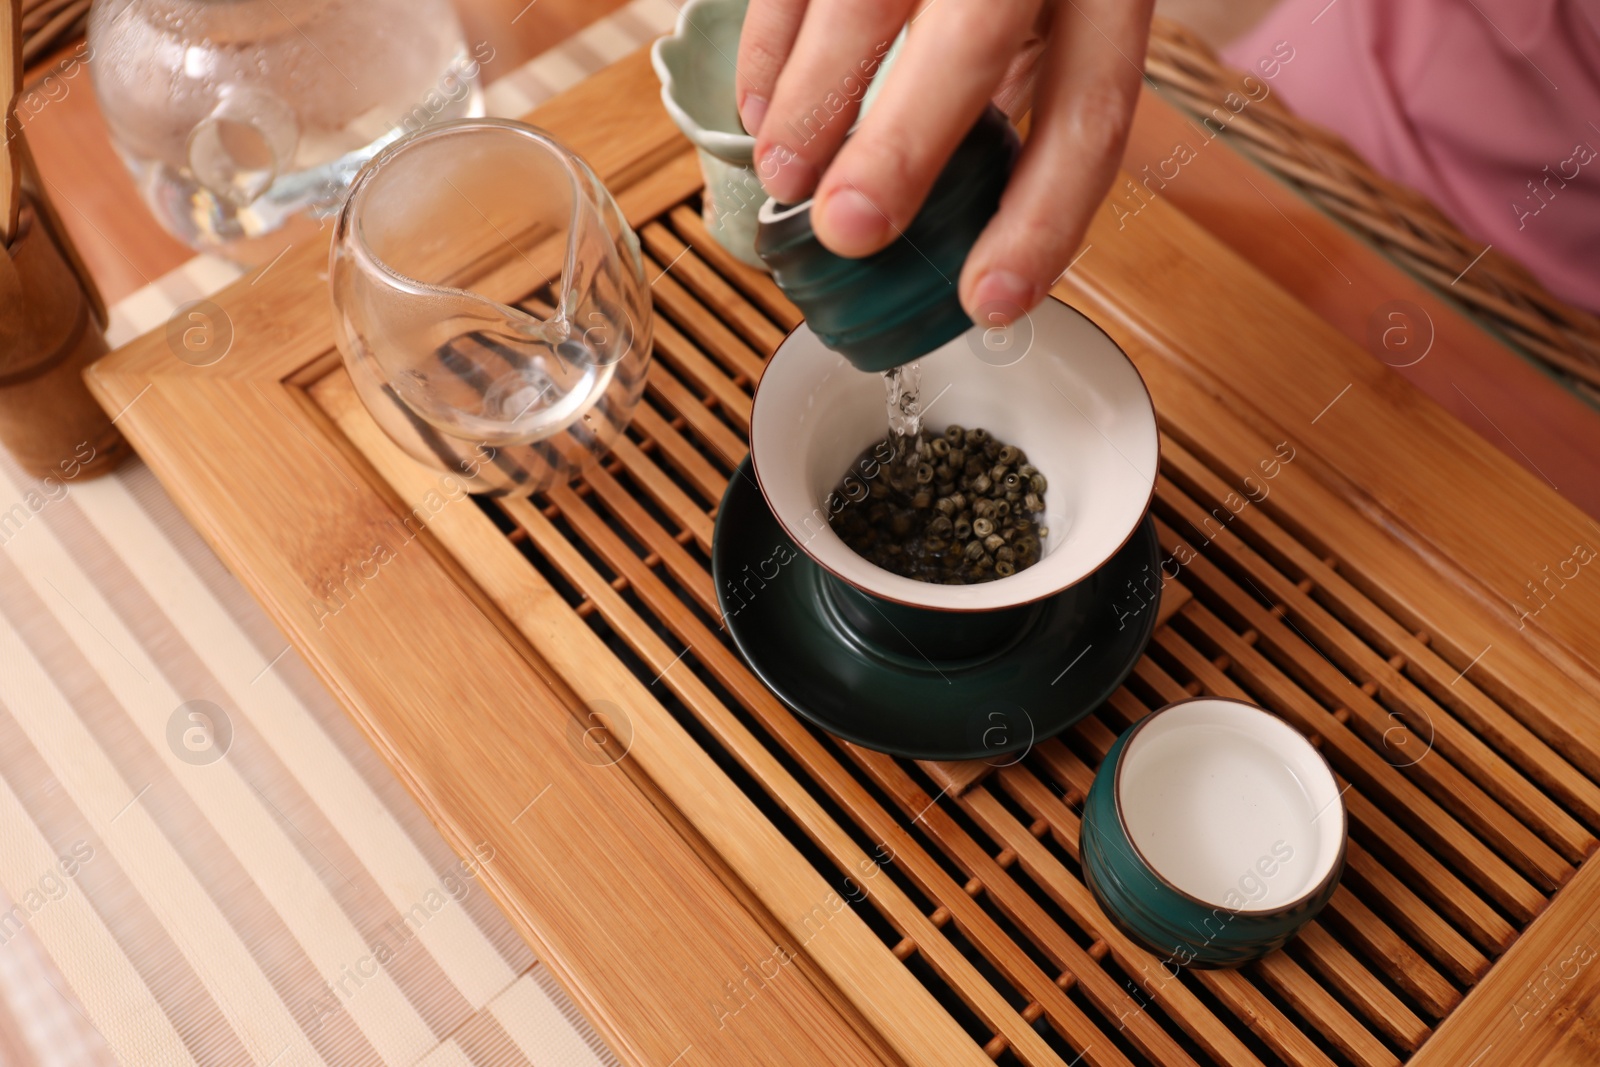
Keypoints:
pixel 445 235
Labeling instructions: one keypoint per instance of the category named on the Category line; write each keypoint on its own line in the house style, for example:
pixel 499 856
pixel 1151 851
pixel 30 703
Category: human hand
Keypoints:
pixel 804 65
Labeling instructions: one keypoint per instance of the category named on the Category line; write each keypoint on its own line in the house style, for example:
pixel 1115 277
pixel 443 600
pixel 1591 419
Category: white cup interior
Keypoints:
pixel 1230 804
pixel 1069 398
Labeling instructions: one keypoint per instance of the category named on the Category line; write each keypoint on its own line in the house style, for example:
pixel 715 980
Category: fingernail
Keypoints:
pixel 1002 296
pixel 751 112
pixel 788 178
pixel 850 224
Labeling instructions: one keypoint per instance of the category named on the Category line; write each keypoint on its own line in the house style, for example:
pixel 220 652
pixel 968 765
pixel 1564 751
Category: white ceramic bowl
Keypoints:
pixel 1230 805
pixel 1073 402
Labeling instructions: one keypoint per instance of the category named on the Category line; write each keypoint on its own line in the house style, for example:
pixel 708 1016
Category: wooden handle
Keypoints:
pixel 11 86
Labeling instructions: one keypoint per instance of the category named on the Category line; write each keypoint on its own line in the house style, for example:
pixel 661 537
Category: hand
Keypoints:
pixel 804 65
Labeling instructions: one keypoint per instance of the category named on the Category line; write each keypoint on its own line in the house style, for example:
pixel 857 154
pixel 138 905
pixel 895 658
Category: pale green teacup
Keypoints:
pixel 696 66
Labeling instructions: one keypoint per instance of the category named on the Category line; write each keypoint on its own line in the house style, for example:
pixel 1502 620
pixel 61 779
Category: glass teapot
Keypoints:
pixel 235 115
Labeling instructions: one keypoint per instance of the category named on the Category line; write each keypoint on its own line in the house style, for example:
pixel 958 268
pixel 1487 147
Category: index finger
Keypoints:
pixel 765 41
pixel 955 55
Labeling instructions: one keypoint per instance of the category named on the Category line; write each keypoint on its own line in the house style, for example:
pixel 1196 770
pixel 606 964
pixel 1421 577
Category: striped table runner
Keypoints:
pixel 201 860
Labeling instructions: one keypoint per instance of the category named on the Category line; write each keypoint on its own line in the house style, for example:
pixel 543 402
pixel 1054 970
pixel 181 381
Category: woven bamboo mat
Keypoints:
pixel 201 859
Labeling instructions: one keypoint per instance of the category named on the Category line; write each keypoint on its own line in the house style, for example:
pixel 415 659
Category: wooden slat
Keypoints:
pixel 1174 595
pixel 711 288
pixel 757 285
pixel 1394 897
pixel 1071 774
pixel 679 452
pixel 957 776
pixel 1413 915
pixel 1021 909
pixel 664 491
pixel 700 324
pixel 712 431
pixel 1451 789
pixel 684 568
pixel 1325 1013
pixel 1425 818
pixel 1360 986
pixel 696 370
pixel 1152 674
pixel 1069 893
pixel 1402 963
pixel 1406 909
pixel 1405 966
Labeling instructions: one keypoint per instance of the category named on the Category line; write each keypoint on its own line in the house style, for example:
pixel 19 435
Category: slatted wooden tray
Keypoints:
pixel 738 888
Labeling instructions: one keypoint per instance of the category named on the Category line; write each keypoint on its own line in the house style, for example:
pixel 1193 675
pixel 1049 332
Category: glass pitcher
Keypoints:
pixel 235 115
pixel 490 303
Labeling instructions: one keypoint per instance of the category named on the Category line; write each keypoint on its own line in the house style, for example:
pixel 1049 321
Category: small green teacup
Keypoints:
pixel 1213 832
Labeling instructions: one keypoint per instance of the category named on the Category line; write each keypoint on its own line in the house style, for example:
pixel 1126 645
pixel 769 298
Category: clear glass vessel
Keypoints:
pixel 235 115
pixel 444 235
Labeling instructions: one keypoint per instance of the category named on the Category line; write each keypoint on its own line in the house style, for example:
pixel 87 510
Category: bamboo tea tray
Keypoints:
pixel 738 889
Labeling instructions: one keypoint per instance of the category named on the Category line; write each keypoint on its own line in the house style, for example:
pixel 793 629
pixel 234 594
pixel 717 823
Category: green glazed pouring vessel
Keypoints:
pixel 897 304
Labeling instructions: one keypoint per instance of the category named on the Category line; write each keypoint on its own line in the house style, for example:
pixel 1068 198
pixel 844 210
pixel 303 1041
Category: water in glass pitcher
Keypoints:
pixel 234 115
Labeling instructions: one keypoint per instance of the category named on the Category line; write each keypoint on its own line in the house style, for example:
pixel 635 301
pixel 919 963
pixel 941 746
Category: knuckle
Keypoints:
pixel 884 169
pixel 813 128
pixel 1099 120
pixel 980 30
pixel 758 64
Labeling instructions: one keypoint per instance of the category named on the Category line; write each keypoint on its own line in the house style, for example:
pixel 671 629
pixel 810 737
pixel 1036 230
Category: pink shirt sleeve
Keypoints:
pixel 1491 108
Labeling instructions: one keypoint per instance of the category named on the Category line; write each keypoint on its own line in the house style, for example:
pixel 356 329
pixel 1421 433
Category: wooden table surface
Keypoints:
pixel 1396 539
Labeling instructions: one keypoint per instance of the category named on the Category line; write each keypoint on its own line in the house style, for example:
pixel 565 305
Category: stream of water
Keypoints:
pixel 903 394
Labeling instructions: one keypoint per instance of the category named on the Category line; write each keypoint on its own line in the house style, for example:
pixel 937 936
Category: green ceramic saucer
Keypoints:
pixel 1061 665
